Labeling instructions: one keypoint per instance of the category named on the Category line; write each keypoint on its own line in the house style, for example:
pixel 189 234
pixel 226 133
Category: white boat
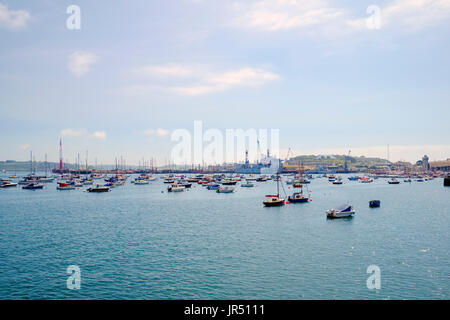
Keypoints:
pixel 248 184
pixel 175 188
pixel 225 190
pixel 7 183
pixel 343 211
pixel 141 181
pixel 393 181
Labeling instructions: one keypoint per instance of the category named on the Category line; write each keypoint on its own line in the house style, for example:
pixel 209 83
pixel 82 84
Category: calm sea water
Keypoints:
pixel 138 243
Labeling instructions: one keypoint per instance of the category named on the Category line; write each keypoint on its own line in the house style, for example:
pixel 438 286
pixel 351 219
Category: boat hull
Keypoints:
pixel 300 200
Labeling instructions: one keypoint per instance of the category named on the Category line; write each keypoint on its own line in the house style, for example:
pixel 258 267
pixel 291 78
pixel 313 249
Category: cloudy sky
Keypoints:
pixel 332 76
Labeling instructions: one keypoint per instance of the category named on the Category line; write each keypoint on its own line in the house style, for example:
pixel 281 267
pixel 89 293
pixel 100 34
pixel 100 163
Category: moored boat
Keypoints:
pixel 225 190
pixel 7 184
pixel 175 188
pixel 298 197
pixel 248 184
pixel 64 186
pixel 447 181
pixel 99 188
pixel 374 203
pixel 343 211
pixel 33 186
pixel 393 181
pixel 275 200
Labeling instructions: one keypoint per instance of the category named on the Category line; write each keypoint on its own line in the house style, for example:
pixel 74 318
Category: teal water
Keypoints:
pixel 138 243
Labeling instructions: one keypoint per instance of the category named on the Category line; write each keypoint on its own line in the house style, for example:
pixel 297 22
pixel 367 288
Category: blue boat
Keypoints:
pixel 213 187
pixel 374 203
pixel 298 197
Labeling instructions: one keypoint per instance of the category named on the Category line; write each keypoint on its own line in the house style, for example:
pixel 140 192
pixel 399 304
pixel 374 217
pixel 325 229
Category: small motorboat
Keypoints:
pixel 248 184
pixel 33 186
pixel 229 183
pixel 225 190
pixel 393 181
pixel 99 188
pixel 338 181
pixel 274 201
pixel 447 181
pixel 366 180
pixel 343 211
pixel 353 178
pixel 141 181
pixel 374 203
pixel 7 184
pixel 298 197
pixel 213 186
pixel 297 185
pixel 185 184
pixel 64 186
pixel 175 188
pixel 407 180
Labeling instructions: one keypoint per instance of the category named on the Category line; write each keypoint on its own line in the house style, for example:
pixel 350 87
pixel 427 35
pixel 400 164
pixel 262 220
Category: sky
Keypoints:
pixel 332 76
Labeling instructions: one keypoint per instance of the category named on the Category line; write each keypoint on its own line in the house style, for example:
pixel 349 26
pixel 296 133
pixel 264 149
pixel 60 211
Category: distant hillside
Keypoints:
pixel 337 161
pixel 11 165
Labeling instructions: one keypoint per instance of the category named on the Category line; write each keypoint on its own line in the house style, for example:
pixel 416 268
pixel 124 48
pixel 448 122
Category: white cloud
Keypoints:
pixel 415 14
pixel 244 76
pixel 169 70
pixel 83 133
pixel 322 16
pixel 13 19
pixel 272 15
pixel 198 79
pixel 99 135
pixel 73 132
pixel 149 132
pixel 162 132
pixel 25 147
pixel 159 132
pixel 80 62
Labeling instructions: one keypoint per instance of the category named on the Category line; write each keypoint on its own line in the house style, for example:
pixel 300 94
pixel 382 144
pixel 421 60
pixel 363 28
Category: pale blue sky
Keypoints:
pixel 312 69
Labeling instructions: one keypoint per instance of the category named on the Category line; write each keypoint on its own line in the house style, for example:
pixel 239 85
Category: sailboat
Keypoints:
pixel 275 200
pixel 299 197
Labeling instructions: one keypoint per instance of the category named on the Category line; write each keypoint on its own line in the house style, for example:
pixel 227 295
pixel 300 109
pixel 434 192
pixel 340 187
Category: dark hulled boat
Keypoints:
pixel 374 203
pixel 447 181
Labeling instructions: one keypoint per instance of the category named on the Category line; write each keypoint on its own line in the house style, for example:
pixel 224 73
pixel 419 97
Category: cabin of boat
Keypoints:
pixel 274 201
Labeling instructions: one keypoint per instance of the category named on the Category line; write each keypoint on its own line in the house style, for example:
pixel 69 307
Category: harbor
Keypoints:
pixel 199 243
